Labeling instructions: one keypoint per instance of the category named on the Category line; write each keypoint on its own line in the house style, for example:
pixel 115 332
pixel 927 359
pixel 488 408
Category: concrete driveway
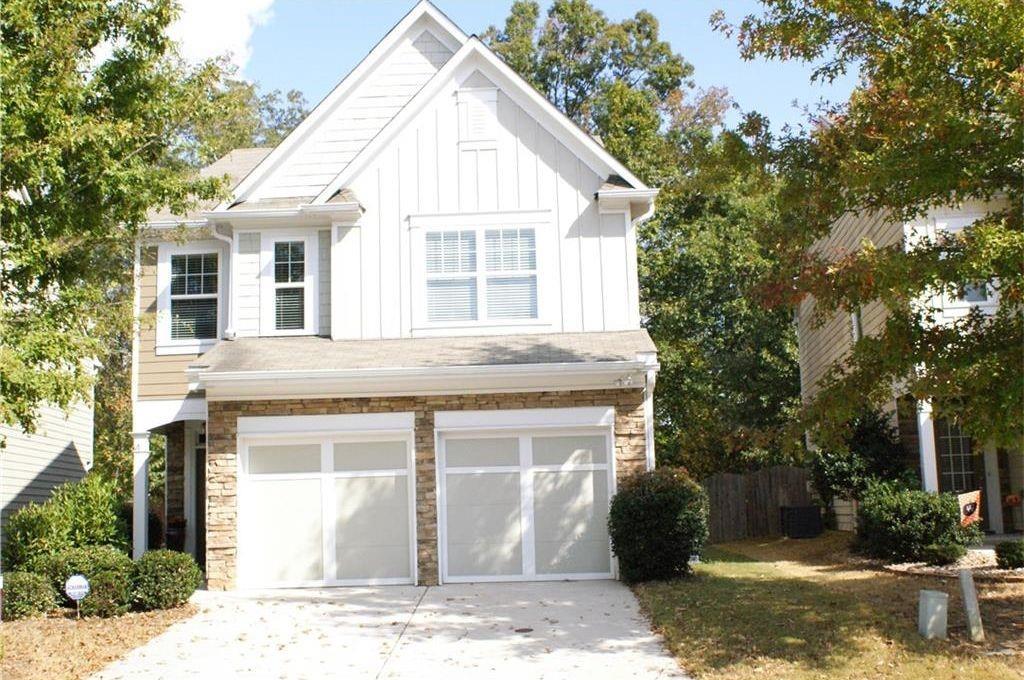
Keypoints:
pixel 590 629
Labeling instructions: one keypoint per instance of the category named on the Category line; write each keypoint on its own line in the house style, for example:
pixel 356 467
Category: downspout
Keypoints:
pixel 229 331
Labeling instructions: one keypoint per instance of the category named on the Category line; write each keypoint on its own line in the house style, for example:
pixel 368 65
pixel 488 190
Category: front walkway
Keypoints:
pixel 587 630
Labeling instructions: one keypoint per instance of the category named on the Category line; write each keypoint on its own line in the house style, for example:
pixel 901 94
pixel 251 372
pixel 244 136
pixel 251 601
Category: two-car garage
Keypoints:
pixel 331 499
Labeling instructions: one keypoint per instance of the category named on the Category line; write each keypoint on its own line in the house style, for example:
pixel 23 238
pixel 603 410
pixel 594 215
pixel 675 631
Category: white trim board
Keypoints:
pixel 526 418
pixel 148 414
pixel 343 422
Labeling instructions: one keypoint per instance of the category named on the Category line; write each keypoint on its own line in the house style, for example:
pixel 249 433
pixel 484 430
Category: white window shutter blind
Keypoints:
pixel 512 297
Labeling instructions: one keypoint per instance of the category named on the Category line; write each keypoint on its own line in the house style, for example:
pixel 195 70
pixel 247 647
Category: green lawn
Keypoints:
pixel 799 609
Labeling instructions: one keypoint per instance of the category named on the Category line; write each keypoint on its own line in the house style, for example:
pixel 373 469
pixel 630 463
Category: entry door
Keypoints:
pixel 525 506
pixel 328 512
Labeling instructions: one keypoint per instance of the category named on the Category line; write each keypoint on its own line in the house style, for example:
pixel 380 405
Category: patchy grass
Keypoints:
pixel 801 609
pixel 59 646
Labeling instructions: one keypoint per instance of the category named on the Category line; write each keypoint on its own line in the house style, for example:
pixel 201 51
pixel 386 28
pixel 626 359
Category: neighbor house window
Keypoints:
pixel 975 292
pixel 289 285
pixel 956 462
pixel 465 285
pixel 194 296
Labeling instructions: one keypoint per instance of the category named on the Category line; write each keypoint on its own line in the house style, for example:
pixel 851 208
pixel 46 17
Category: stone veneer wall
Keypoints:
pixel 222 511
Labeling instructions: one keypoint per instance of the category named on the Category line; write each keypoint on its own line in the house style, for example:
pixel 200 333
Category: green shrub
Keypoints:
pixel 900 524
pixel 869 452
pixel 657 520
pixel 32 531
pixel 91 562
pixel 164 579
pixel 943 553
pixel 1010 554
pixel 78 514
pixel 110 594
pixel 93 509
pixel 26 594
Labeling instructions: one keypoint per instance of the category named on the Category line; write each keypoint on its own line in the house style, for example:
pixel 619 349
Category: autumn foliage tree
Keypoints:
pixel 936 120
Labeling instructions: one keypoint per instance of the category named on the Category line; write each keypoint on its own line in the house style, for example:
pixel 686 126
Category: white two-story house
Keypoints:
pixel 408 348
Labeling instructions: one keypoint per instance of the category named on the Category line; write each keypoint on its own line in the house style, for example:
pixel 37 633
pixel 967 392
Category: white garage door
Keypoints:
pixel 525 505
pixel 326 511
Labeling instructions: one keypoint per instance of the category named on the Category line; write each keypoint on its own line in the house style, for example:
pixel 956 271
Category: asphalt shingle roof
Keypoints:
pixel 315 353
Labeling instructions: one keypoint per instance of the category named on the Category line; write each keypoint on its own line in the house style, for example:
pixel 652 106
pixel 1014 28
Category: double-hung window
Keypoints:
pixel 289 285
pixel 193 297
pixel 481 274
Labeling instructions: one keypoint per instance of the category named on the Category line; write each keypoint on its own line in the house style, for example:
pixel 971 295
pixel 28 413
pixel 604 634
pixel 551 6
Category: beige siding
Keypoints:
pixel 825 344
pixel 59 451
pixel 160 377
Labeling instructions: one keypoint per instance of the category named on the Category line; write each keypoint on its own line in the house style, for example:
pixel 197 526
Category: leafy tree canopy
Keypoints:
pixel 89 148
pixel 937 119
pixel 728 382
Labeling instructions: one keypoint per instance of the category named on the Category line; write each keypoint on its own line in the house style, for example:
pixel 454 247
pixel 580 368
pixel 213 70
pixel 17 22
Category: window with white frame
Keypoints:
pixel 464 284
pixel 289 285
pixel 193 298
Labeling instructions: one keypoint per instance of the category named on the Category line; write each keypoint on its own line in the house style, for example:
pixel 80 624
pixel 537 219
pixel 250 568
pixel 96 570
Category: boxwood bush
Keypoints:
pixel 26 594
pixel 93 562
pixel 1010 554
pixel 164 579
pixel 910 525
pixel 657 520
pixel 78 514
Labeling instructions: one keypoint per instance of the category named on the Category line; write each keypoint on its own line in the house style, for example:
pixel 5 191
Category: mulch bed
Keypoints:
pixel 59 646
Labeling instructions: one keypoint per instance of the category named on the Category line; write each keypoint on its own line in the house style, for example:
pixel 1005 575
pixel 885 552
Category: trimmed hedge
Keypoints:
pixel 26 594
pixel 1010 554
pixel 110 594
pixel 657 520
pixel 92 562
pixel 78 514
pixel 910 525
pixel 164 579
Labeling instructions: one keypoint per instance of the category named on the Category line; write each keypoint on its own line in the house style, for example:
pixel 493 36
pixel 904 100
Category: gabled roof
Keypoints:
pixel 516 88
pixel 447 32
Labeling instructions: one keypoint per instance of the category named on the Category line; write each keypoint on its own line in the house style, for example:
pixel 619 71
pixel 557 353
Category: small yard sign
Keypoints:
pixel 77 587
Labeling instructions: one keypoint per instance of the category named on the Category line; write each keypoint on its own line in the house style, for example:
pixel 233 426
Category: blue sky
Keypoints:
pixel 310 45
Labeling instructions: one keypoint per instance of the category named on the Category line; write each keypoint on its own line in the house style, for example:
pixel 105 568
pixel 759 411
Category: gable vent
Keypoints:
pixel 478 114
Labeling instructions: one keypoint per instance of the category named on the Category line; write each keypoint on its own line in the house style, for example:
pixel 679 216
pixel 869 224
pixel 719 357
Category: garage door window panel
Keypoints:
pixel 287 514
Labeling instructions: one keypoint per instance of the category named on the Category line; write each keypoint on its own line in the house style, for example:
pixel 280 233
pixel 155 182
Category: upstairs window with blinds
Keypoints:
pixel 467 285
pixel 194 296
pixel 290 285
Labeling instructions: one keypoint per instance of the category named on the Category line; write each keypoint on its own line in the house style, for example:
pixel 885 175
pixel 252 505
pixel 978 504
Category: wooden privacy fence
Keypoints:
pixel 747 505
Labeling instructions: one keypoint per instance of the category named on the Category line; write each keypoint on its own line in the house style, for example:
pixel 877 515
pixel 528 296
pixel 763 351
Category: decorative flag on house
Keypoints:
pixel 970 507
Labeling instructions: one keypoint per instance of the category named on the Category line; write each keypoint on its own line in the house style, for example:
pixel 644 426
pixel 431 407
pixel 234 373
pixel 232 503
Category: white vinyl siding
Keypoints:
pixel 428 179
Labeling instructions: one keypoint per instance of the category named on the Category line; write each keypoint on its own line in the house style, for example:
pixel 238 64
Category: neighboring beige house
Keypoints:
pixel 945 458
pixel 408 348
pixel 31 465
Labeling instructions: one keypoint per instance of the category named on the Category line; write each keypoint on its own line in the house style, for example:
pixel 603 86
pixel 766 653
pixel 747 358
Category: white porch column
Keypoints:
pixel 649 417
pixel 926 447
pixel 990 491
pixel 140 494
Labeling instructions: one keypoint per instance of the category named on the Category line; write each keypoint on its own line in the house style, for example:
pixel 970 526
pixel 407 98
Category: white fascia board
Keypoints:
pixel 450 34
pixel 351 383
pixel 350 208
pixel 514 87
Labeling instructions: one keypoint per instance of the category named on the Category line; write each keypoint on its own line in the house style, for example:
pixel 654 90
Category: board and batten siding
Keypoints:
pixel 357 119
pixel 586 259
pixel 822 346
pixel 59 451
pixel 159 376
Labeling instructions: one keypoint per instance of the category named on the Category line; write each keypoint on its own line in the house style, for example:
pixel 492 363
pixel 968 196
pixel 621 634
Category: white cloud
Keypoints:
pixel 211 28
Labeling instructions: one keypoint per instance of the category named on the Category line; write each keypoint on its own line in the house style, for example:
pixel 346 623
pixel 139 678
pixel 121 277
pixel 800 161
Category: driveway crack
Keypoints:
pixel 401 633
